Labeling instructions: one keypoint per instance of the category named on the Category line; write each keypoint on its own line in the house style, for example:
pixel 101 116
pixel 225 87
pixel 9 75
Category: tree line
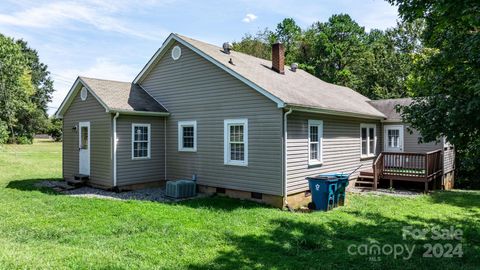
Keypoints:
pixel 26 88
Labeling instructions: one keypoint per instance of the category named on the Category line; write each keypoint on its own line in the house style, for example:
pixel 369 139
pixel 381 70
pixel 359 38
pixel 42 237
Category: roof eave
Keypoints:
pixel 143 113
pixel 297 107
pixel 392 121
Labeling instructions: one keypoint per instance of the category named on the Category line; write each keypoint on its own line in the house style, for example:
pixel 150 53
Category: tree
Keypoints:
pixel 389 60
pixel 12 69
pixel 40 76
pixel 339 51
pixel 256 45
pixel 22 106
pixel 447 82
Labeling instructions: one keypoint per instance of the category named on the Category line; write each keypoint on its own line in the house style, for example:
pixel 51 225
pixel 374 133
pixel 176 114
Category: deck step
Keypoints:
pixel 363 182
pixel 78 180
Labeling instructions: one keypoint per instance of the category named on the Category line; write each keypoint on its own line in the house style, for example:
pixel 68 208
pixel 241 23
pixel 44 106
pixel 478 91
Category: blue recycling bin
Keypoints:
pixel 323 189
pixel 342 187
pixel 328 190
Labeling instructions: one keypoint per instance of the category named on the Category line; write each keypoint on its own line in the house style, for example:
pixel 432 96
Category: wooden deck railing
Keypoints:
pixel 434 164
pixel 421 167
pixel 377 170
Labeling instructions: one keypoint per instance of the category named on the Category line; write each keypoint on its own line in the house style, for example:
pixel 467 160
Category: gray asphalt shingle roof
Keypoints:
pixel 388 107
pixel 298 88
pixel 123 96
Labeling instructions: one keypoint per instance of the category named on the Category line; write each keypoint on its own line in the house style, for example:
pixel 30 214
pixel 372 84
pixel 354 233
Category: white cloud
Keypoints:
pixel 103 68
pixel 100 15
pixel 369 13
pixel 250 17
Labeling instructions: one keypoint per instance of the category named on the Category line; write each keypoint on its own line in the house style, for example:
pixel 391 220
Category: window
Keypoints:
pixel 393 138
pixel 369 139
pixel 236 142
pixel 315 138
pixel 176 53
pixel 84 138
pixel 140 141
pixel 187 136
pixel 83 93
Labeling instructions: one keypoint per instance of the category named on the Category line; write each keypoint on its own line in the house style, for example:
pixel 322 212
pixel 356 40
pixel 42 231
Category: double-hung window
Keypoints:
pixel 368 139
pixel 236 142
pixel 315 139
pixel 140 141
pixel 187 136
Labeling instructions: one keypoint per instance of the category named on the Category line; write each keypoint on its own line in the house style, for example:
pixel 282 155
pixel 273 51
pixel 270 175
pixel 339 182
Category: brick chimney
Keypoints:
pixel 278 58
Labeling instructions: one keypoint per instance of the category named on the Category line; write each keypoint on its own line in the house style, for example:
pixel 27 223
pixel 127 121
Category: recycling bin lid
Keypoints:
pixel 323 177
pixel 329 176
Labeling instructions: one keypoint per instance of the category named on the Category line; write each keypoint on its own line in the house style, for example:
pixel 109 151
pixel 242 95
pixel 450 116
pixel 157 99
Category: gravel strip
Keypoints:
pixel 148 194
pixel 381 191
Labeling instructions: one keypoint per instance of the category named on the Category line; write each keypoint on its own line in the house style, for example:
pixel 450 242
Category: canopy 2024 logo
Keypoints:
pixel 449 247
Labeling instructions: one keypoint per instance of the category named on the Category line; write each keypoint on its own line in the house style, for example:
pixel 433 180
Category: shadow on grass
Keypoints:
pixel 32 185
pixel 221 203
pixel 294 244
pixel 464 199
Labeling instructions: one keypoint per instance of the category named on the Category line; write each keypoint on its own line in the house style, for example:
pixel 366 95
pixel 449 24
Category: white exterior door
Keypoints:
pixel 84 147
pixel 393 138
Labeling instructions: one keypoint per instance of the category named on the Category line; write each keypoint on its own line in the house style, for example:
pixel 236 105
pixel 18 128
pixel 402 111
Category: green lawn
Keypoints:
pixel 40 229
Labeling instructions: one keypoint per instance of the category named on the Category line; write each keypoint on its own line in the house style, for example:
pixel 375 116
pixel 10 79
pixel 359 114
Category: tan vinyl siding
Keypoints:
pixel 410 140
pixel 448 159
pixel 142 170
pixel 100 140
pixel 192 88
pixel 341 147
pixel 412 145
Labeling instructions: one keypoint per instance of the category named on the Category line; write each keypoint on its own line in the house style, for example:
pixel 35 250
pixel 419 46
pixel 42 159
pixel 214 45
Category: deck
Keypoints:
pixel 415 167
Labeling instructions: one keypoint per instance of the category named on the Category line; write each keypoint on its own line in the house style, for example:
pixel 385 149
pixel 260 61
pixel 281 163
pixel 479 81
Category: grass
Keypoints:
pixel 40 229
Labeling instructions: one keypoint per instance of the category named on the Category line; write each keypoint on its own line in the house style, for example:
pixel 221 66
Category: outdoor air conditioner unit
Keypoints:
pixel 181 189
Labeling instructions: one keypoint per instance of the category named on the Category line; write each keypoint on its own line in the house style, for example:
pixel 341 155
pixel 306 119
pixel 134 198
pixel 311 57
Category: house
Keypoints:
pixel 240 125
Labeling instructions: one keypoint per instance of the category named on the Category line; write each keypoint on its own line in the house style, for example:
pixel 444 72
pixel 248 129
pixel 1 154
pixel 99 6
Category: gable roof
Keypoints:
pixel 115 96
pixel 388 107
pixel 293 89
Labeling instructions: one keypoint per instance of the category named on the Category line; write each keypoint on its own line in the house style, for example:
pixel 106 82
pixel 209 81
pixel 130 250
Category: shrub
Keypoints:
pixel 55 129
pixel 3 132
pixel 24 140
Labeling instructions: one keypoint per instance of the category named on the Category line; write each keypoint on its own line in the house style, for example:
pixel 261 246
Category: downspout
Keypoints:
pixel 165 147
pixel 285 157
pixel 443 163
pixel 115 149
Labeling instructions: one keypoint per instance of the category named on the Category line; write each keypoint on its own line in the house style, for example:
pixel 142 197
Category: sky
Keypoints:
pixel 114 39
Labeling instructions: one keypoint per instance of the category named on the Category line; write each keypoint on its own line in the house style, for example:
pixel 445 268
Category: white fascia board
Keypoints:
pixel 333 112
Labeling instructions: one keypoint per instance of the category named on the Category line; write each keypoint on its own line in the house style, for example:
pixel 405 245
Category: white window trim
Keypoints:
pixel 182 124
pixel 149 140
pixel 226 139
pixel 368 126
pixel 318 123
